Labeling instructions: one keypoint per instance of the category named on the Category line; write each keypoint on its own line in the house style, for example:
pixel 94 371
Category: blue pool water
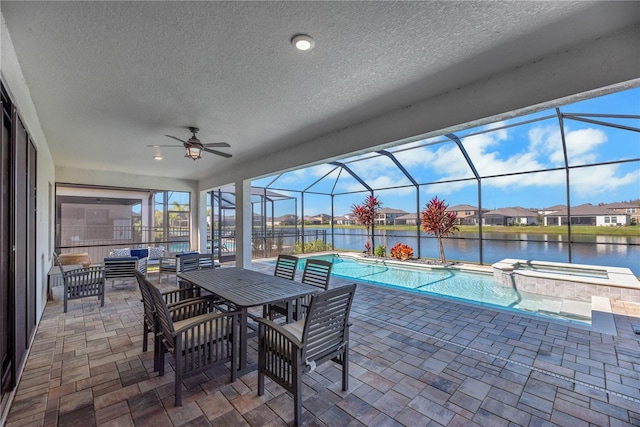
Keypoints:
pixel 476 288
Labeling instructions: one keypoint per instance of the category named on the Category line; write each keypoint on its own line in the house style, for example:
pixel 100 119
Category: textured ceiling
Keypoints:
pixel 108 78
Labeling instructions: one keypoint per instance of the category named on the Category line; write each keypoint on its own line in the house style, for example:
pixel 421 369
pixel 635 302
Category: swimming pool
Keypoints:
pixel 471 287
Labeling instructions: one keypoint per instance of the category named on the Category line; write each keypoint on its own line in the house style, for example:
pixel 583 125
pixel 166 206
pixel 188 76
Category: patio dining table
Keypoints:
pixel 245 289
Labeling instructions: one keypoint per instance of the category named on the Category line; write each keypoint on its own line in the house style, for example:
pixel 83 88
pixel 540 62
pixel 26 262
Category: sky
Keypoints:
pixel 528 145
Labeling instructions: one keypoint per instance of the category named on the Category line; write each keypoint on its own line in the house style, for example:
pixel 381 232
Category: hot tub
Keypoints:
pixel 575 281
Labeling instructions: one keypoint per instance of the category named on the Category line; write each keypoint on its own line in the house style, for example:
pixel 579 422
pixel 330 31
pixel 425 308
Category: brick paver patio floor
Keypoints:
pixel 415 361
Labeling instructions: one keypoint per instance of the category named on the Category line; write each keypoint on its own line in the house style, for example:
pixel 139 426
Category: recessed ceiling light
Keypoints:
pixel 157 157
pixel 303 42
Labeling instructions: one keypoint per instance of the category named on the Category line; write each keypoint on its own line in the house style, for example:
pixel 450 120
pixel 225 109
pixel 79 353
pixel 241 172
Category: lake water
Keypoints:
pixel 596 250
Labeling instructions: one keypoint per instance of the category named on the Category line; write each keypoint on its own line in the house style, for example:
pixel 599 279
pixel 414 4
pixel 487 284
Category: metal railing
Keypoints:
pixel 99 241
pixel 272 243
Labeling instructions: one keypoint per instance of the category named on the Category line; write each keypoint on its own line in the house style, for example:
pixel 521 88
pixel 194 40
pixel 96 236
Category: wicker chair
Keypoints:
pixel 196 342
pixel 316 273
pixel 82 282
pixel 286 352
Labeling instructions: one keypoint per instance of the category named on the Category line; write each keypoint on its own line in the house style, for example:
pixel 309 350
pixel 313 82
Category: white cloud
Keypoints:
pixel 415 157
pixel 492 153
pixel 582 143
pixel 588 182
pixel 306 175
pixel 380 181
pixel 448 188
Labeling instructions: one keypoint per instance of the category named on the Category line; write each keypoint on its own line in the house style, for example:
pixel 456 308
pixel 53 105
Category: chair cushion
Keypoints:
pixel 193 334
pixel 296 328
pixel 155 252
pixel 129 258
pixel 140 253
pixel 115 253
pixel 187 253
pixel 182 323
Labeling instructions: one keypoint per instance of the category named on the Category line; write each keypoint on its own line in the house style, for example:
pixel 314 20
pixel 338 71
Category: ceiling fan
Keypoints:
pixel 194 147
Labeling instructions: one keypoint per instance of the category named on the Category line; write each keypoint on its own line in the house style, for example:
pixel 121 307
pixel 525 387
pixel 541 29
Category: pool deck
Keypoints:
pixel 415 361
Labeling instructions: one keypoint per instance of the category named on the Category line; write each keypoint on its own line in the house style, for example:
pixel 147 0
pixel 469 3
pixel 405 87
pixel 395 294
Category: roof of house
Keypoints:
pixel 286 217
pixel 458 208
pixel 621 205
pixel 408 216
pixel 516 211
pixel 587 209
pixel 554 208
pixel 391 211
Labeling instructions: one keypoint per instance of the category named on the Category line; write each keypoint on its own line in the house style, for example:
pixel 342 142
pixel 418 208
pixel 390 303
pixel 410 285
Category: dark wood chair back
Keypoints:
pixel 192 262
pixel 286 352
pixel 198 340
pixel 317 272
pixel 286 266
pixel 81 282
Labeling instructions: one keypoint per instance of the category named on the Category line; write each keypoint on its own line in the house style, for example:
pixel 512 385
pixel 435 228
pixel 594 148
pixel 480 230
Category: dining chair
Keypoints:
pixel 191 262
pixel 167 264
pixel 286 352
pixel 317 273
pixel 196 342
pixel 82 282
pixel 286 266
pixel 171 298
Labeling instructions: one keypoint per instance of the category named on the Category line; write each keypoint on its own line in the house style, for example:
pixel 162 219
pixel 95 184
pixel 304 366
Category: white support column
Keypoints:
pixel 202 221
pixel 243 224
pixel 194 238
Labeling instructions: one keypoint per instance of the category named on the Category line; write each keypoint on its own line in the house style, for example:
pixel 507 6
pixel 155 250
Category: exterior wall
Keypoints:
pixel 412 221
pixel 14 80
pixel 612 220
pixel 388 218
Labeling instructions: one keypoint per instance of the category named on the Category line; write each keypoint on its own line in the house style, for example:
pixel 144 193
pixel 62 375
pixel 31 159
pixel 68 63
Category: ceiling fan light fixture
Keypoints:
pixel 193 153
pixel 303 42
pixel 158 154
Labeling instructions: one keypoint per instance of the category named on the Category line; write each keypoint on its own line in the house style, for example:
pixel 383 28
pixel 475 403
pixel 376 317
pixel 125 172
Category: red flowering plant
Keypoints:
pixel 435 219
pixel 401 251
pixel 365 214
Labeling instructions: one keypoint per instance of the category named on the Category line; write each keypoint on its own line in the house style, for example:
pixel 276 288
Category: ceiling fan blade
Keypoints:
pixel 219 153
pixel 177 139
pixel 216 144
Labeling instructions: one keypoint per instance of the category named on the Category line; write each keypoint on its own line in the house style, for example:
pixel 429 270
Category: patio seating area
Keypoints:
pixel 414 361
